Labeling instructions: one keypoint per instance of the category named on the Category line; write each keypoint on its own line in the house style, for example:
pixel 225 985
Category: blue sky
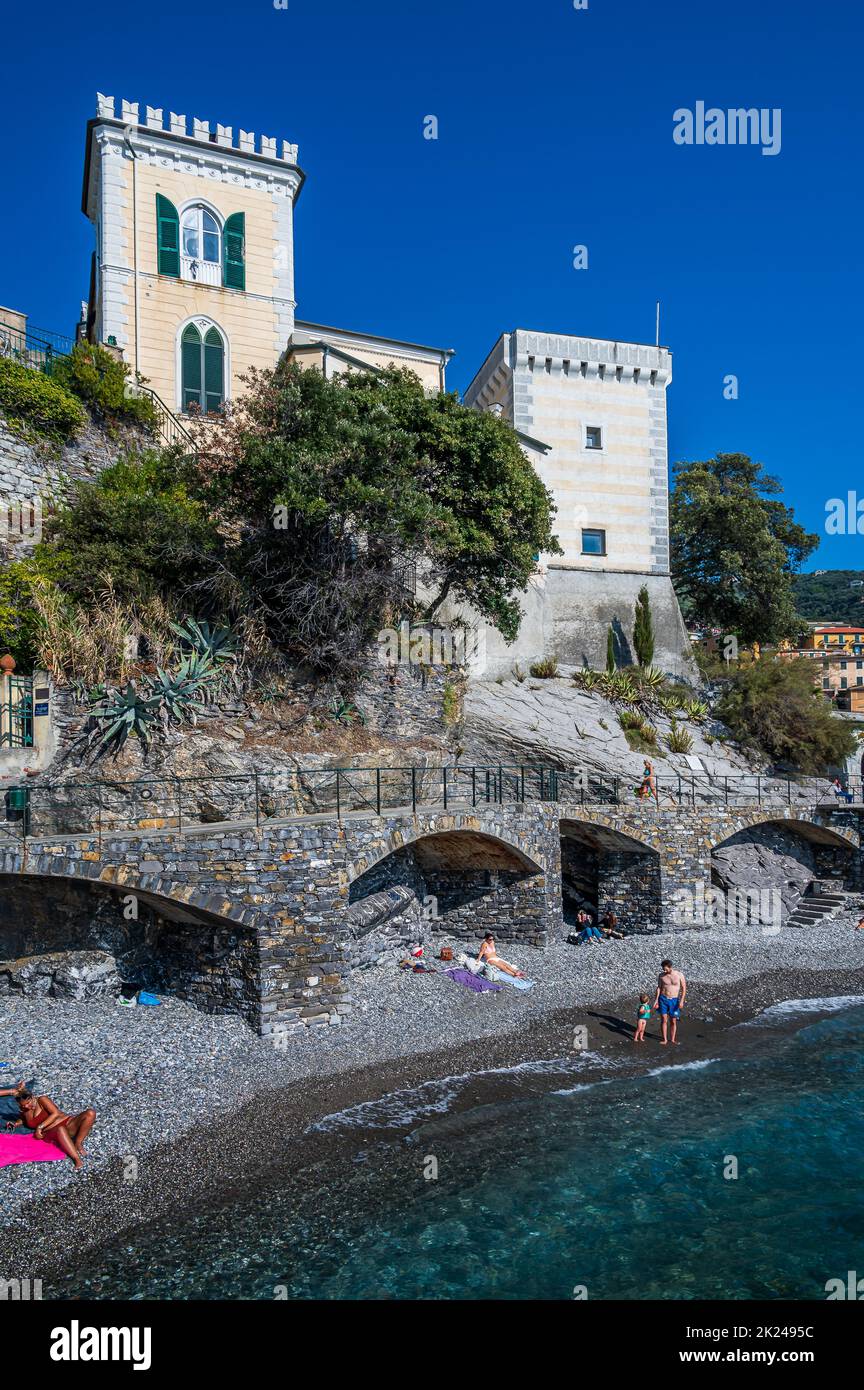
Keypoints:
pixel 555 129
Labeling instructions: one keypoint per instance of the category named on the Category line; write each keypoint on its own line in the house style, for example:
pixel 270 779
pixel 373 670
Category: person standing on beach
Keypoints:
pixel 671 991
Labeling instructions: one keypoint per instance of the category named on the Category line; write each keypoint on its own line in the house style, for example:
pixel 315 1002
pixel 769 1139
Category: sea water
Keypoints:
pixel 732 1177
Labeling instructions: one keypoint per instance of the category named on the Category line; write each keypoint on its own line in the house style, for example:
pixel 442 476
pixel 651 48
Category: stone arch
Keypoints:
pixel 769 862
pixel 604 867
pixel 164 937
pixel 464 877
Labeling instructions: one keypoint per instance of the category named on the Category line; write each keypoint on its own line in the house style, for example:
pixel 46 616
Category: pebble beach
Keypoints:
pixel 192 1107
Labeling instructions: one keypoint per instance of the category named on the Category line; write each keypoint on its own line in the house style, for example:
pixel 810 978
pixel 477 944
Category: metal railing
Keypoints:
pixel 104 807
pixel 34 347
pixel 39 348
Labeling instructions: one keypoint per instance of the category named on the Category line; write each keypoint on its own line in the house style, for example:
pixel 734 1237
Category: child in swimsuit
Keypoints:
pixel 643 1013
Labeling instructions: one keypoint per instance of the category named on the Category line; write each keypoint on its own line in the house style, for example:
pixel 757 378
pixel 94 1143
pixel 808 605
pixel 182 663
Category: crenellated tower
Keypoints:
pixel 193 271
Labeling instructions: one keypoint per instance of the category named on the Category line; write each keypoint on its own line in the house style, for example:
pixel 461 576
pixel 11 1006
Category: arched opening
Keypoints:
pixel 202 369
pixel 460 882
pixel 154 943
pixel 603 869
pixel 782 872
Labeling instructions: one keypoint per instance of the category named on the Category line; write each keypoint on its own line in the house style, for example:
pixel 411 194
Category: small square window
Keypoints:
pixel 593 542
pixel 593 437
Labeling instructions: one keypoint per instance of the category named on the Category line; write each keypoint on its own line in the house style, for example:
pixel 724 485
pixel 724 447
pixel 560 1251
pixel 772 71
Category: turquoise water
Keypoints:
pixel 614 1184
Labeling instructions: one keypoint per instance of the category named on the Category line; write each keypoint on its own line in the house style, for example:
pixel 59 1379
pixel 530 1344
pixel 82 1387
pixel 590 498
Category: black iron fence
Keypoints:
pixel 192 803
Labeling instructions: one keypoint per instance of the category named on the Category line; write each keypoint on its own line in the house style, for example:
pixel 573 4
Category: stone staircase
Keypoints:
pixel 825 901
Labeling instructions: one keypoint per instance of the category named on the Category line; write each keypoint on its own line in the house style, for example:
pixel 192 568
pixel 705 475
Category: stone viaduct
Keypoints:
pixel 261 920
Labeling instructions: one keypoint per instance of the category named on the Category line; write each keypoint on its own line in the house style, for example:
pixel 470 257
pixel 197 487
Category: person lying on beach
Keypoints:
pixel 68 1132
pixel 643 1013
pixel 489 956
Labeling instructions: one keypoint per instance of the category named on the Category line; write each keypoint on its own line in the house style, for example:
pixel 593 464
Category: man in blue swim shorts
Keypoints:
pixel 671 990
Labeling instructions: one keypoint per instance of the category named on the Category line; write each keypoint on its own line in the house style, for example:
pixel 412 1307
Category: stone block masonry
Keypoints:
pixel 262 921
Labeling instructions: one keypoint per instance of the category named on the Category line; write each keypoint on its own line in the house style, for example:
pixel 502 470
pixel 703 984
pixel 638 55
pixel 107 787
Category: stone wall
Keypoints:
pixel 258 919
pixel 29 471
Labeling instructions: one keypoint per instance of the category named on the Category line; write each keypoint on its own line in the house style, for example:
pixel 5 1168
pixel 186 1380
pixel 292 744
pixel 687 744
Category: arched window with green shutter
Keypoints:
pixel 234 252
pixel 167 237
pixel 202 369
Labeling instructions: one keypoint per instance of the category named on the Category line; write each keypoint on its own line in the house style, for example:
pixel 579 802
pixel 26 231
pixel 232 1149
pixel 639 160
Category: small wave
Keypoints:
pixel 683 1066
pixel 584 1086
pixel 788 1008
pixel 399 1109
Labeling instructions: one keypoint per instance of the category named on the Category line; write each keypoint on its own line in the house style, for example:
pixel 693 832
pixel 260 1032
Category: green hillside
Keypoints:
pixel 829 597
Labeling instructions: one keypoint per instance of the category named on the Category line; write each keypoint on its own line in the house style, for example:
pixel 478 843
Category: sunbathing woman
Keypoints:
pixel 489 956
pixel 68 1132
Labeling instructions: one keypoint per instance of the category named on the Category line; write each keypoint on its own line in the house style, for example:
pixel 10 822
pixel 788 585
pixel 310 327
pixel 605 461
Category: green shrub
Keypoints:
pixel 642 739
pixel 774 708
pixel 450 706
pixel 630 719
pixel 102 380
pixel 38 402
pixel 18 618
pixel 544 669
pixel 679 740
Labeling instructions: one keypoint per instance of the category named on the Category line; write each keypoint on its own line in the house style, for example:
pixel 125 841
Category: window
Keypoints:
pixel 593 437
pixel 200 246
pixel 202 367
pixel 593 542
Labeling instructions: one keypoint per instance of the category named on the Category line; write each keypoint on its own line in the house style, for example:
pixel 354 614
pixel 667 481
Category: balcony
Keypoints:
pixel 201 272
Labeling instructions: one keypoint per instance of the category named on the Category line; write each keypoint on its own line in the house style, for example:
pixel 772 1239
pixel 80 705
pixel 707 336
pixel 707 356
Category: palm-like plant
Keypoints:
pixel 126 713
pixel 586 679
pixel 697 710
pixel 679 740
pixel 179 694
pixel 217 643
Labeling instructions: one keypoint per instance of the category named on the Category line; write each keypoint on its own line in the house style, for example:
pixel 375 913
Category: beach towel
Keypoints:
pixel 473 982
pixel 495 974
pixel 23 1148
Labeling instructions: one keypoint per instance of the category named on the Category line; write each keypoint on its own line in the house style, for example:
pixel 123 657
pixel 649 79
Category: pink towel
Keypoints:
pixel 23 1148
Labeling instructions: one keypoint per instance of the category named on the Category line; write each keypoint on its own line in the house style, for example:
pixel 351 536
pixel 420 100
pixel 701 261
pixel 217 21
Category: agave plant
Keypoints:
pixel 630 719
pixel 122 714
pixel 679 740
pixel 343 712
pixel 179 694
pixel 216 643
pixel 619 686
pixel 586 679
pixel 697 710
pixel 648 678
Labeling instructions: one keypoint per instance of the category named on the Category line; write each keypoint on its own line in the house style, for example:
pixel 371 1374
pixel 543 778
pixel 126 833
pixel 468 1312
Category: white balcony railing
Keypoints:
pixel 202 272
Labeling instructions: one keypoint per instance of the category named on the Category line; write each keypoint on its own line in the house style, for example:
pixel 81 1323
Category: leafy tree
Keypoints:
pixel 138 523
pixel 329 489
pixel 773 707
pixel 836 596
pixel 643 629
pixel 100 379
pixel 18 617
pixel 735 548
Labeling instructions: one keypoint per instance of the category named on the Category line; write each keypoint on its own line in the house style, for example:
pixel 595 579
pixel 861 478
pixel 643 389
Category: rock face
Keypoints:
pixel 766 860
pixel 77 975
pixel 554 723
pixel 381 925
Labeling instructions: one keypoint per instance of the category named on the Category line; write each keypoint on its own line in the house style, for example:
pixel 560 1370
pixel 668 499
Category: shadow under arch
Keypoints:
pixel 603 868
pixel 159 942
pixel 460 880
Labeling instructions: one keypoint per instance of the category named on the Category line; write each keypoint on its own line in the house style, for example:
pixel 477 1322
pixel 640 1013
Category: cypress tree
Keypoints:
pixel 643 629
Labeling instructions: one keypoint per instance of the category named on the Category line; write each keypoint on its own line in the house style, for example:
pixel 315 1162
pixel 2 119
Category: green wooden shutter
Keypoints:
pixel 190 361
pixel 214 371
pixel 168 237
pixel 233 252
